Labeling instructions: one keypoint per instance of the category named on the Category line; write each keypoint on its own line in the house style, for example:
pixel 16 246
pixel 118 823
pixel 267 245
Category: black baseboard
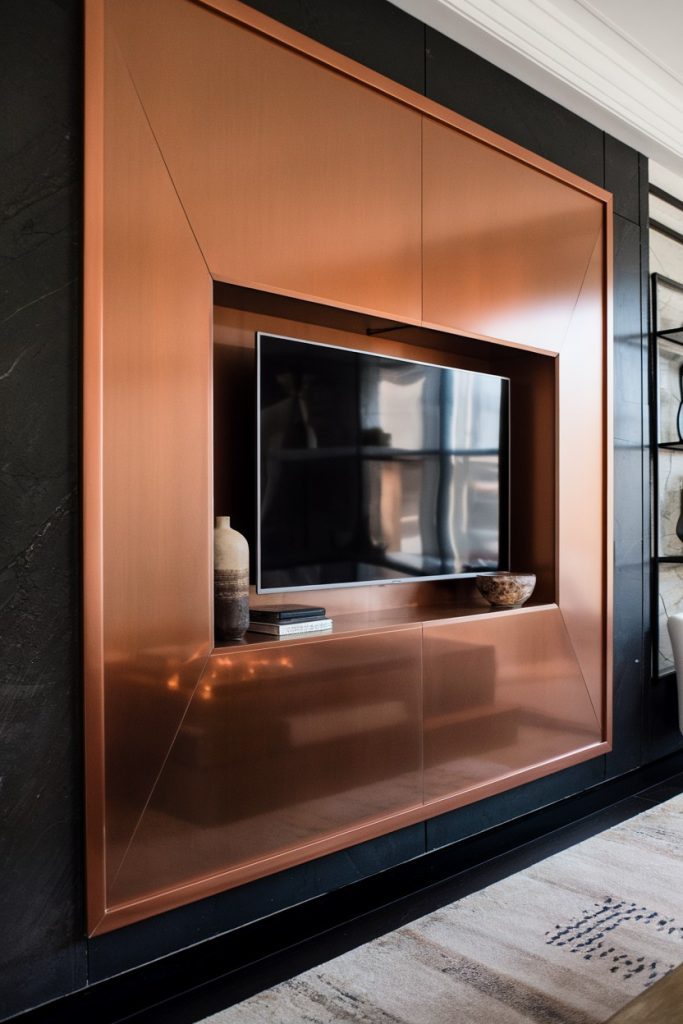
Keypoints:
pixel 210 975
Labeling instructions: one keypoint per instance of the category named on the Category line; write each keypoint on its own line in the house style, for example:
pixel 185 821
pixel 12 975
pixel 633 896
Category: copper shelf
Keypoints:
pixel 359 623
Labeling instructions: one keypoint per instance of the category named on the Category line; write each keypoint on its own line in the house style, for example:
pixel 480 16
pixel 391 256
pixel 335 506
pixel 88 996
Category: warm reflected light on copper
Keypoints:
pixel 500 694
pixel 321 773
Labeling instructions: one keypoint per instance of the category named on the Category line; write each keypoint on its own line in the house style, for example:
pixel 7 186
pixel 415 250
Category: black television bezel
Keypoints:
pixel 504 486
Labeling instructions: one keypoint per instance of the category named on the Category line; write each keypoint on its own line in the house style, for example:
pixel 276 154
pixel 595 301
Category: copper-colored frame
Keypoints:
pixel 129 617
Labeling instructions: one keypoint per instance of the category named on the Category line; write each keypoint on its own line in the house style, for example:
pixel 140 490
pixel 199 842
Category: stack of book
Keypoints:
pixel 288 620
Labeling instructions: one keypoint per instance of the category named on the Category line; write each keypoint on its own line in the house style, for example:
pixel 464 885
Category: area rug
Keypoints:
pixel 568 941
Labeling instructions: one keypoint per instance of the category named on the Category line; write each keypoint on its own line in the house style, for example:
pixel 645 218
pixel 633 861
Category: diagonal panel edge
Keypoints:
pixel 582 478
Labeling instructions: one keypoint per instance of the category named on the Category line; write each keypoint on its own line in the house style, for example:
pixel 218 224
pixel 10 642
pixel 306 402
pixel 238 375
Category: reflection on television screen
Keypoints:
pixel 374 468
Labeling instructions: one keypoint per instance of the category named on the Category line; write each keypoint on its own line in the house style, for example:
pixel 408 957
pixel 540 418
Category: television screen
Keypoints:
pixel 374 469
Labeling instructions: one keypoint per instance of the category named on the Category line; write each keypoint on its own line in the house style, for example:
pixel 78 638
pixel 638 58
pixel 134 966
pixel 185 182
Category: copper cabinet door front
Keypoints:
pixel 294 177
pixel 506 247
pixel 282 746
pixel 501 694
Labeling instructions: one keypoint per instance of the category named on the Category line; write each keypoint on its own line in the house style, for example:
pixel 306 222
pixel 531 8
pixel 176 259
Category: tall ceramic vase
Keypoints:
pixel 231 581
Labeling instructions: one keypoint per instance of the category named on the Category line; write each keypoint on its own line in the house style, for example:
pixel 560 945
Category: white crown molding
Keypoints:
pixel 672 28
pixel 568 50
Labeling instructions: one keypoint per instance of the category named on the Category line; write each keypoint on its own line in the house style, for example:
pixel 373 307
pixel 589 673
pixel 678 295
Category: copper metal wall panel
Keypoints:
pixel 247 15
pixel 294 177
pixel 280 747
pixel 501 693
pixel 147 379
pixel 582 480
pixel 505 246
pixel 155 460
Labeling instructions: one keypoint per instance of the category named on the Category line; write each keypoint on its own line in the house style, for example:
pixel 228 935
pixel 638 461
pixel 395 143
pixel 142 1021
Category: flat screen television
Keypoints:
pixel 374 469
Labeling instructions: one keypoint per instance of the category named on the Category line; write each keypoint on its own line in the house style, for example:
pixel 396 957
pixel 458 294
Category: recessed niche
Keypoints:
pixel 240 312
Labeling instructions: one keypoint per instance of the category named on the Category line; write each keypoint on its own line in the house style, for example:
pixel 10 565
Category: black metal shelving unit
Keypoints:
pixel 672 335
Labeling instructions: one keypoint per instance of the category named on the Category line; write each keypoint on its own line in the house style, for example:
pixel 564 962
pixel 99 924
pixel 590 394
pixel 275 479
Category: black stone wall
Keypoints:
pixel 42 950
pixel 43 953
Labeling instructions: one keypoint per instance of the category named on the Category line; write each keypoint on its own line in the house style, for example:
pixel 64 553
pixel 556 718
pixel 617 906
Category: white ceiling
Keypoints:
pixel 618 63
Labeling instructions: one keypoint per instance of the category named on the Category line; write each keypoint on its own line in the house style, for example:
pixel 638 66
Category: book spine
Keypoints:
pixel 287 628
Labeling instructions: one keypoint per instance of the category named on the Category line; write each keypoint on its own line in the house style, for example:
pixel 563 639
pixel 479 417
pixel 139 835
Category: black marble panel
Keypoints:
pixel 630 604
pixel 630 387
pixel 455 826
pixel 118 951
pixel 42 951
pixel 628 646
pixel 373 32
pixel 472 86
pixel 622 177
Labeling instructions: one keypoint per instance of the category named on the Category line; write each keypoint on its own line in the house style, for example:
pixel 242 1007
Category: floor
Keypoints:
pixel 269 970
pixel 660 1004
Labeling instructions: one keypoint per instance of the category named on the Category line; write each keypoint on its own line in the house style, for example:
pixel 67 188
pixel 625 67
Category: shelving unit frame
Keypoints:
pixel 672 335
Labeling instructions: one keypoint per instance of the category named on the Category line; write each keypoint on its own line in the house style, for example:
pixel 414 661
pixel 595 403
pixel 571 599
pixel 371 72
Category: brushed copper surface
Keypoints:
pixel 324 199
pixel 506 250
pixel 581 484
pixel 271 29
pixel 126 913
pixel 93 667
pixel 500 694
pixel 147 382
pixel 156 398
pixel 281 747
pixel 479 353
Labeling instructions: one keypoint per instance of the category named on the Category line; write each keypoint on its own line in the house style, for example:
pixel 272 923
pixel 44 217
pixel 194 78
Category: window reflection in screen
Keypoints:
pixel 375 468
